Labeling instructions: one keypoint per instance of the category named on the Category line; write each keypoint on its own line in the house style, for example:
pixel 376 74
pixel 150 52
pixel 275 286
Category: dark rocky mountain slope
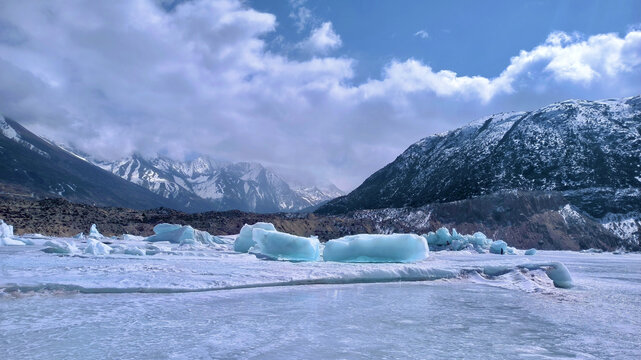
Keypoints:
pixel 590 151
pixel 34 167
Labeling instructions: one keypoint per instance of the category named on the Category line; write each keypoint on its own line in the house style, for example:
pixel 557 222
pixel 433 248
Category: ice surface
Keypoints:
pixel 79 235
pixel 357 321
pixel 60 247
pixel 93 232
pixel 182 234
pixel 400 248
pixel 530 251
pixel 245 240
pixel 282 246
pixel 95 247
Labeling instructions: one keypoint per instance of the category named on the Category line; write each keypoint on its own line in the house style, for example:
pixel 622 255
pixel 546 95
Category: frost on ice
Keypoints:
pixel 182 234
pixel 95 247
pixel 377 248
pixel 282 246
pixel 245 240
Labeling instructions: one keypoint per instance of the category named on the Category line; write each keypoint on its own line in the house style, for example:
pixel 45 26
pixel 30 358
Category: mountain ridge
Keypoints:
pixel 589 150
pixel 34 167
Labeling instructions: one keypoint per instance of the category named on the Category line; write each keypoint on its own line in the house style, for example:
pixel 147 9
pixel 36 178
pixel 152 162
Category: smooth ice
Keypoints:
pixel 400 248
pixel 163 306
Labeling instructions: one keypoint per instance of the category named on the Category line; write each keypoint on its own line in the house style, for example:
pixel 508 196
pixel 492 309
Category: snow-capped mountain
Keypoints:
pixel 317 195
pixel 590 151
pixel 34 167
pixel 206 184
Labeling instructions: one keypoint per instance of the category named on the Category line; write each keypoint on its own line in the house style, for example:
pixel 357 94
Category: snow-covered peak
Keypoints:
pixel 213 184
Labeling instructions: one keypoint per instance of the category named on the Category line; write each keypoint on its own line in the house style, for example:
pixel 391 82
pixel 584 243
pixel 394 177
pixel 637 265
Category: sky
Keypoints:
pixel 318 90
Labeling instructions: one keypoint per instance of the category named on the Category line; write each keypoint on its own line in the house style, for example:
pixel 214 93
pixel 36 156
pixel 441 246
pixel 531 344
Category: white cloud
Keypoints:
pixel 113 77
pixel 300 14
pixel 422 34
pixel 322 39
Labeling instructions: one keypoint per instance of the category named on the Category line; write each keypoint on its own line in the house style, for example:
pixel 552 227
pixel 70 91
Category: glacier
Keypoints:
pixel 276 245
pixel 400 248
pixel 245 240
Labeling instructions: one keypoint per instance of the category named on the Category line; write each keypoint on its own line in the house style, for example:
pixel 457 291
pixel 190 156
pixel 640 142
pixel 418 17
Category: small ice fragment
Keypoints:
pixel 377 248
pixel 129 237
pixel 59 247
pixel 560 275
pixel 79 235
pixel 282 246
pixel 6 235
pixel 182 234
pixel 244 241
pixel 499 247
pixel 93 232
pixel 95 247
pixel 177 234
pixel 164 227
pixel 135 251
pixel 530 251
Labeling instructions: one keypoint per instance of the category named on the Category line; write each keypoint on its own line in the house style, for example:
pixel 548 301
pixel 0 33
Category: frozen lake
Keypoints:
pixel 203 302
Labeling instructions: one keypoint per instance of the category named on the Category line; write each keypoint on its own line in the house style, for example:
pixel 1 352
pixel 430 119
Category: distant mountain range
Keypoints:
pixel 588 150
pixel 37 167
pixel 206 184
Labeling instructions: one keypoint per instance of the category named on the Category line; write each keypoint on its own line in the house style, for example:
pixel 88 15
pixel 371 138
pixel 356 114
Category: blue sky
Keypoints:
pixel 468 37
pixel 318 90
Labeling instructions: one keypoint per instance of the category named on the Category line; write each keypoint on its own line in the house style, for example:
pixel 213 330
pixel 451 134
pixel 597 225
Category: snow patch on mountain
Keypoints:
pixel 11 133
pixel 625 226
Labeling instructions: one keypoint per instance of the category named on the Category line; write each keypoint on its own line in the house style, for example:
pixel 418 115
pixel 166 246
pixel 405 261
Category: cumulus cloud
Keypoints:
pixel 122 76
pixel 322 39
pixel 422 34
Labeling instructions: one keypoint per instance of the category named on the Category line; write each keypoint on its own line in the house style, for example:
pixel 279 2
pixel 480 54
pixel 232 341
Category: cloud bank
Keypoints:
pixel 121 76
